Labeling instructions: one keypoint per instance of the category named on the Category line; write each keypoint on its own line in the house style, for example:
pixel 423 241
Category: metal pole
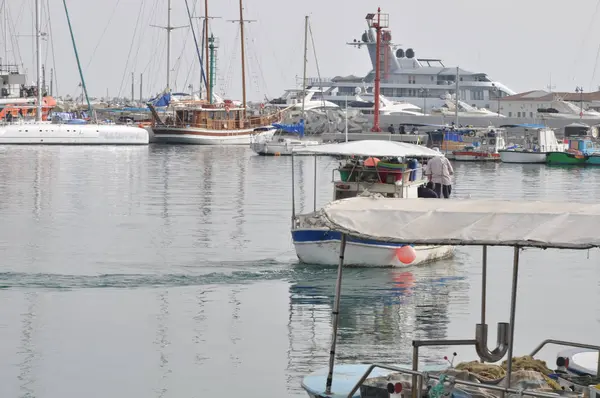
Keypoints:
pixel 346 130
pixel 141 85
pixel 132 86
pixel 377 73
pixel 305 61
pixel 38 12
pixel 315 187
pixel 293 191
pixel 456 99
pixel 336 315
pixel 513 305
pixel 483 287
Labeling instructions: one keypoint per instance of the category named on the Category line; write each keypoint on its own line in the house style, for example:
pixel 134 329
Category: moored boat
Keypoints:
pixel 210 121
pixel 535 147
pixel 484 148
pixel 398 177
pixel 578 153
pixel 281 140
pixel 466 223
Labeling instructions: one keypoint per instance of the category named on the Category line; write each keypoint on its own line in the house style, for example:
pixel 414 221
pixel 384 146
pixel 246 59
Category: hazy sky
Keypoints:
pixel 523 44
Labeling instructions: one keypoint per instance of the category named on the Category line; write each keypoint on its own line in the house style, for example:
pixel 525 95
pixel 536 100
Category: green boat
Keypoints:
pixel 593 160
pixel 559 158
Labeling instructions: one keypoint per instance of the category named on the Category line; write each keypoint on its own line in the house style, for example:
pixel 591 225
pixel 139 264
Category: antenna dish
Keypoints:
pixel 365 37
pixel 410 53
pixel 399 53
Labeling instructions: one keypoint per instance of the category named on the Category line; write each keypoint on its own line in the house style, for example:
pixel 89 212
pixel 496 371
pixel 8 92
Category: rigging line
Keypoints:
pixel 260 71
pixel 112 14
pixel 592 22
pixel 195 42
pixel 130 48
pixel 595 65
pixel 52 48
pixel 312 40
pixel 152 38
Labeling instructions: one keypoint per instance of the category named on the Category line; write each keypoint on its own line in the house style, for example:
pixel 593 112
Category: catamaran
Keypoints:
pixel 44 132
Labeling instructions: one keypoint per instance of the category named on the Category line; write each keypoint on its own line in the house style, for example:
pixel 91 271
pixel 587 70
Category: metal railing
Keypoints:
pixel 420 377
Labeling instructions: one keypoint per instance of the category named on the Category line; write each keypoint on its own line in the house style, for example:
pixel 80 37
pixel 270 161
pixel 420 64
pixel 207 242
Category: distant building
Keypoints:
pixel 540 103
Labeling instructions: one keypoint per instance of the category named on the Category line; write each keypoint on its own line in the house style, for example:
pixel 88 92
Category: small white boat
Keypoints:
pixel 466 223
pixel 535 148
pixel 316 244
pixel 277 140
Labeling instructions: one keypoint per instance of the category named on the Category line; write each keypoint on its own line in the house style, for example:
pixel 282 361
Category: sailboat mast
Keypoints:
pixel 169 45
pixel 209 95
pixel 243 58
pixel 305 61
pixel 38 12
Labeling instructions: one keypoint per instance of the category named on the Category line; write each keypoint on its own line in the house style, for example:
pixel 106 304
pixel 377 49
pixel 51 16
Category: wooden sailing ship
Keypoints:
pixel 206 122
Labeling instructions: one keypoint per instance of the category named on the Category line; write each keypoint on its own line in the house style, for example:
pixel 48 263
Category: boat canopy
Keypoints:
pixel 466 222
pixel 378 148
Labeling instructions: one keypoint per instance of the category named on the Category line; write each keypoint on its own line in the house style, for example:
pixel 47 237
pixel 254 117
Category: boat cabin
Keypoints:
pixel 225 116
pixel 389 176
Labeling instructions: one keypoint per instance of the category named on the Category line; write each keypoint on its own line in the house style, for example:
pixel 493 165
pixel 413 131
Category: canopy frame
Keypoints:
pixel 505 335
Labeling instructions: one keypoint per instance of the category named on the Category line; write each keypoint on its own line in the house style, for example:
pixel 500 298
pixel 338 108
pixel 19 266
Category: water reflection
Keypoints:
pixel 162 341
pixel 382 311
pixel 27 348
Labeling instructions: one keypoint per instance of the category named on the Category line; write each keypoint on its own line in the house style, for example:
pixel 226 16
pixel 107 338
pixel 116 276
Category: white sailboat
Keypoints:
pixel 279 142
pixel 44 132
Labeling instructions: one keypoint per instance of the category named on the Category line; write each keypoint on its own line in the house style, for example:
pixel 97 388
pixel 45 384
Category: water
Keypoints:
pixel 168 271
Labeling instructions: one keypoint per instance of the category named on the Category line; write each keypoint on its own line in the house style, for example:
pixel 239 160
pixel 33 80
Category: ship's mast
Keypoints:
pixel 38 12
pixel 168 28
pixel 243 54
pixel 305 61
pixel 243 58
pixel 209 82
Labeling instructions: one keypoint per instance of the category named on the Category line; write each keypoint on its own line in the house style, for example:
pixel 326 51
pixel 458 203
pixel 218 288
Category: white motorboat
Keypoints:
pixel 466 223
pixel 395 176
pixel 535 147
pixel 279 142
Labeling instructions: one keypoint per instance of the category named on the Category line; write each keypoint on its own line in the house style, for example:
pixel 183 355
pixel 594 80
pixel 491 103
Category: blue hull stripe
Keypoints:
pixel 311 235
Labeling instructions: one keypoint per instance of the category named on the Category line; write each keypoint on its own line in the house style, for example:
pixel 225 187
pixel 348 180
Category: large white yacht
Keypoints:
pixel 424 82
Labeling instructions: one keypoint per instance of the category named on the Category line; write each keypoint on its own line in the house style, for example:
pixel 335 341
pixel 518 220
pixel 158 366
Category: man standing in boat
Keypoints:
pixel 440 171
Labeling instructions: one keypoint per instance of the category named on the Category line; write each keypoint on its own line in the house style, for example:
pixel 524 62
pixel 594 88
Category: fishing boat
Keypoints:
pixel 43 132
pixel 371 168
pixel 466 223
pixel 483 148
pixel 212 120
pixel 535 147
pixel 578 153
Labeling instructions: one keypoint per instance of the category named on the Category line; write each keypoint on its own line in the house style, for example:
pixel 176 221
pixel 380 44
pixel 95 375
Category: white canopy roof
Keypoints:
pixel 371 148
pixel 467 222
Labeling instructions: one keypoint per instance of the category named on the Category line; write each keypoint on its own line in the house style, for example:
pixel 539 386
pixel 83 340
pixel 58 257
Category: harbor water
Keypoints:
pixel 168 271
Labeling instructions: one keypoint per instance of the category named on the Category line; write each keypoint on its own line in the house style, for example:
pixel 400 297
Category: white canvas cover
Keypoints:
pixel 467 222
pixel 378 148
